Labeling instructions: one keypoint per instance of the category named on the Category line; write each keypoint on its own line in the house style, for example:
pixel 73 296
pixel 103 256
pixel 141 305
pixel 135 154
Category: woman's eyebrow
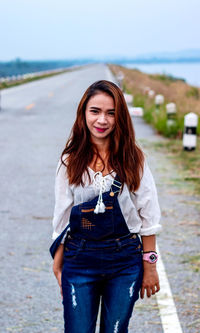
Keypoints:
pixel 96 108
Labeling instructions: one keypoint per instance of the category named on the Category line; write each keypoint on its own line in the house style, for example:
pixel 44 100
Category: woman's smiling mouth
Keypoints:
pixel 100 129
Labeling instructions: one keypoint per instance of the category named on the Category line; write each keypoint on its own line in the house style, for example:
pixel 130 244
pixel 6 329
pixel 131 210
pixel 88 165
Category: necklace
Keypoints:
pixel 99 163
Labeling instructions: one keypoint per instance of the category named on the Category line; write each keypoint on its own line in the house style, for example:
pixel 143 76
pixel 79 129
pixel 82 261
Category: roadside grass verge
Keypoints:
pixel 157 117
pixel 186 97
pixel 187 162
pixel 9 84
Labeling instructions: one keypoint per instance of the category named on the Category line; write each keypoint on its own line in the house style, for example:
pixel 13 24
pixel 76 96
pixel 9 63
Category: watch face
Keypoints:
pixel 153 257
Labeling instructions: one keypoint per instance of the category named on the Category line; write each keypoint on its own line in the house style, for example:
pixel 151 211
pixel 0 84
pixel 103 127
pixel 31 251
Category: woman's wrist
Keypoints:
pixel 149 267
pixel 150 257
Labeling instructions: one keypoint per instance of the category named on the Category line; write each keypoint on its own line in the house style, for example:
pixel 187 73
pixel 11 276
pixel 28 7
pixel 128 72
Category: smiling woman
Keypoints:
pixel 100 116
pixel 106 214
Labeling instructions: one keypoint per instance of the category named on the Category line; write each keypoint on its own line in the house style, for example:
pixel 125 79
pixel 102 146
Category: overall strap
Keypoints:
pixel 116 186
pixel 57 241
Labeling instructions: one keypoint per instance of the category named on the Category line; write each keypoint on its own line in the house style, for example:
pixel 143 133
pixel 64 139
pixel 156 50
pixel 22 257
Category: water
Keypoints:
pixel 20 67
pixel 188 71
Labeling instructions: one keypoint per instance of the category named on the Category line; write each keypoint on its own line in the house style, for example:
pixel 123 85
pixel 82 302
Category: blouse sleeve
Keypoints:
pixel 63 201
pixel 147 204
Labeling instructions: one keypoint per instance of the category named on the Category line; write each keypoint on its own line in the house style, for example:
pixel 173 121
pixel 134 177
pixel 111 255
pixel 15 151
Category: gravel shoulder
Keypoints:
pixel 179 240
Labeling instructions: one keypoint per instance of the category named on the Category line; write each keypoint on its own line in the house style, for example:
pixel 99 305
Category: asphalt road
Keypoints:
pixel 35 122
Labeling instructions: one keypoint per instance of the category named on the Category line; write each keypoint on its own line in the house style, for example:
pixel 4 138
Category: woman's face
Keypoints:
pixel 100 116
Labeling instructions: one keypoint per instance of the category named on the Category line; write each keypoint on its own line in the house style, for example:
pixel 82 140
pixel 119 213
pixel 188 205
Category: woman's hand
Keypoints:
pixel 150 281
pixel 58 277
pixel 57 265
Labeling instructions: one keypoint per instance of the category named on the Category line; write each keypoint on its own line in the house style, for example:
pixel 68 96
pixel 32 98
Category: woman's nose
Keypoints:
pixel 102 118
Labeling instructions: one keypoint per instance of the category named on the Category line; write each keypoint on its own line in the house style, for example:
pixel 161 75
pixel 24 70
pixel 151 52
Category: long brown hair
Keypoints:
pixel 125 157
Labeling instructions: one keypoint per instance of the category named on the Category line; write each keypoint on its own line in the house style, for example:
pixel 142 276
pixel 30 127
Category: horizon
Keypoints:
pixel 170 56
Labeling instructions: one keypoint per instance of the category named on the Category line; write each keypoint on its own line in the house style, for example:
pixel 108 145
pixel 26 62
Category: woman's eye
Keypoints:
pixel 111 113
pixel 94 111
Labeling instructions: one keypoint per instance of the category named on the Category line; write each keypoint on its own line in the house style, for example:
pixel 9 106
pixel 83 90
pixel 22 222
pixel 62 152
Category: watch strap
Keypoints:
pixel 151 257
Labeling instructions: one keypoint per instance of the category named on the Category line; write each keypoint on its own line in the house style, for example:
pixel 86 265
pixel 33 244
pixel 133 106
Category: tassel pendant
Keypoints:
pixel 102 208
pixel 96 210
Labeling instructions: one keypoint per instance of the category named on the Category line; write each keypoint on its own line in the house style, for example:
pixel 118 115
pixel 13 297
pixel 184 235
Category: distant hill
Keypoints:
pixel 188 56
pixel 185 56
pixel 192 53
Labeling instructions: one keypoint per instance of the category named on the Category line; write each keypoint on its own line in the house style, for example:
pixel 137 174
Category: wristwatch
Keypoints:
pixel 151 257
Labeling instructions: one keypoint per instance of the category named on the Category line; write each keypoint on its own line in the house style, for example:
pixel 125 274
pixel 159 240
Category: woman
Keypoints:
pixel 105 199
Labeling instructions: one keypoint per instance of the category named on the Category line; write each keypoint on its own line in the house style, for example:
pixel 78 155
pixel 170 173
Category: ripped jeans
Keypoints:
pixel 111 270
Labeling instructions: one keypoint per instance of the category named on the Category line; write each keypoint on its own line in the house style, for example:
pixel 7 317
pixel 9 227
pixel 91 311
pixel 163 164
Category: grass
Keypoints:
pixel 166 78
pixel 193 92
pixel 186 97
pixel 187 162
pixel 158 117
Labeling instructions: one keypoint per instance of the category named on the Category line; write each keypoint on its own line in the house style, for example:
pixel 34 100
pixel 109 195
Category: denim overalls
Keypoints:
pixel 101 258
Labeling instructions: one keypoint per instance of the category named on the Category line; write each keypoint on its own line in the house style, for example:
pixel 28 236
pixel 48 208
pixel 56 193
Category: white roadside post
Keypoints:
pixel 136 111
pixel 128 99
pixel 159 100
pixel 171 114
pixel 151 93
pixel 133 110
pixel 190 128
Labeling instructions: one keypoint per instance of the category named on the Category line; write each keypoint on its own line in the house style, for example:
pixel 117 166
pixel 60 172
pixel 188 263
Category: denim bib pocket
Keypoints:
pixel 95 226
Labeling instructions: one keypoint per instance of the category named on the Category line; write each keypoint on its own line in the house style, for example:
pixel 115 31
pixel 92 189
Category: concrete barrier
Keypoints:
pixel 190 127
pixel 171 114
pixel 136 111
pixel 159 100
pixel 128 98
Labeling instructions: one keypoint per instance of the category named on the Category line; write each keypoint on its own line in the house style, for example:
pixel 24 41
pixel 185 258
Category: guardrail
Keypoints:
pixel 26 76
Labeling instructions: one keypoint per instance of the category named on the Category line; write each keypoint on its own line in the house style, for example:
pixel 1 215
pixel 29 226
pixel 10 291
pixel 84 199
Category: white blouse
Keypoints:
pixel 140 209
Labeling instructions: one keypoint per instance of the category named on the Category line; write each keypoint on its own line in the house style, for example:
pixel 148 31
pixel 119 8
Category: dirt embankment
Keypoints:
pixel 186 97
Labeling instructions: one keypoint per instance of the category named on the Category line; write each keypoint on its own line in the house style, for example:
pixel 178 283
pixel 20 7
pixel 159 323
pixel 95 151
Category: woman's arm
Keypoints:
pixel 150 281
pixel 57 265
pixel 149 211
pixel 63 204
pixel 63 201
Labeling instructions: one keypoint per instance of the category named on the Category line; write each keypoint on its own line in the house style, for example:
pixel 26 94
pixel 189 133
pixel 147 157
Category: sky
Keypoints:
pixel 63 29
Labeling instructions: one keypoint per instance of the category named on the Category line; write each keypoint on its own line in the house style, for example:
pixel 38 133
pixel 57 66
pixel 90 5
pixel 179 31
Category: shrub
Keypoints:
pixel 193 92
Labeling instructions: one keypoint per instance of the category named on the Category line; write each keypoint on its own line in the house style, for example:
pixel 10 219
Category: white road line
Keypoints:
pixel 167 308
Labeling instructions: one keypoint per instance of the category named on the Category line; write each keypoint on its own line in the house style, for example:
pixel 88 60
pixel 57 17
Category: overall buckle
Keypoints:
pixel 115 187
